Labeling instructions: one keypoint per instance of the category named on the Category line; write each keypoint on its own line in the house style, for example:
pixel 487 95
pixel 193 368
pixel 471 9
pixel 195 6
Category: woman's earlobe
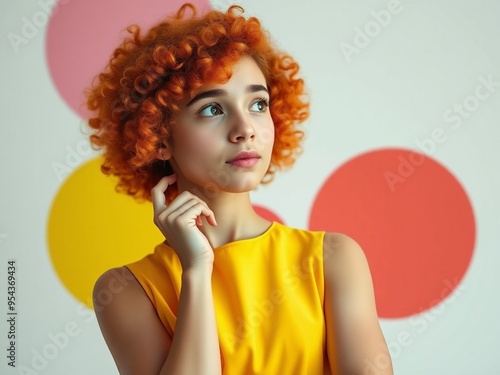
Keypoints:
pixel 163 153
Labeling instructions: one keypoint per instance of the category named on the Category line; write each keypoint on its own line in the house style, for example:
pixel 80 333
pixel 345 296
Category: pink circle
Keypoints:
pixel 413 220
pixel 82 35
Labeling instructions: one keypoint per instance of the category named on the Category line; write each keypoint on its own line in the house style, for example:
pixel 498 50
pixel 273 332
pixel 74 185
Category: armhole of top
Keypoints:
pixel 148 293
pixel 322 266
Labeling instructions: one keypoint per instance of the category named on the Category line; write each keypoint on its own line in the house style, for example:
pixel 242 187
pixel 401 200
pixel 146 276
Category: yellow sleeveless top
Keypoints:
pixel 268 294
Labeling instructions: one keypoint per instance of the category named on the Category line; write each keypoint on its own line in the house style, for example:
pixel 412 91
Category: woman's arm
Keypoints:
pixel 137 339
pixel 355 341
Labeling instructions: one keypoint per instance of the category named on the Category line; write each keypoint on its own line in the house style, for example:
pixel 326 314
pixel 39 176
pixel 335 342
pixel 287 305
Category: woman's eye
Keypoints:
pixel 211 110
pixel 260 105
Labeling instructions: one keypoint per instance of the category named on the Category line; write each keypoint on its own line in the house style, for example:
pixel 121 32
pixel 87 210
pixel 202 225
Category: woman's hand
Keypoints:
pixel 179 224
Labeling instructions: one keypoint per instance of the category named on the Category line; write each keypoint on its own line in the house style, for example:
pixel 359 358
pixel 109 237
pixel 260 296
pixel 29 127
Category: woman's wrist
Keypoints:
pixel 197 270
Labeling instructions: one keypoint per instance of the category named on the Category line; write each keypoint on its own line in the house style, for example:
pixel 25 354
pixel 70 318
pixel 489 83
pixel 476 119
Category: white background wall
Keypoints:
pixel 429 56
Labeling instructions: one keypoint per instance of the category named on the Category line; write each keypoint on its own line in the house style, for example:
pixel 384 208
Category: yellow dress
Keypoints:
pixel 268 294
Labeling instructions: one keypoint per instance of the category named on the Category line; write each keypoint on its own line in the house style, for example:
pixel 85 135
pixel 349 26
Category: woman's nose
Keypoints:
pixel 242 128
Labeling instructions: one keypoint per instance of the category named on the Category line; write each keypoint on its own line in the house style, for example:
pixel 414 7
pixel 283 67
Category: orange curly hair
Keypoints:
pixel 147 78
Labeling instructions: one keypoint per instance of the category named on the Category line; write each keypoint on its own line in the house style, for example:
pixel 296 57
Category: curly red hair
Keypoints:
pixel 135 98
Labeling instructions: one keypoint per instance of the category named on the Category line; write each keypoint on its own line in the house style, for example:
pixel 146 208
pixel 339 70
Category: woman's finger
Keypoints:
pixel 158 193
pixel 186 212
pixel 181 200
pixel 174 212
pixel 196 211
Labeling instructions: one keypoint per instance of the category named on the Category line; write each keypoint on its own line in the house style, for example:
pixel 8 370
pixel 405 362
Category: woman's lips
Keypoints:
pixel 244 163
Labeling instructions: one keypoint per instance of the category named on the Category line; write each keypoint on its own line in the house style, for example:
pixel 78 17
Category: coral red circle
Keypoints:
pixel 412 218
pixel 82 34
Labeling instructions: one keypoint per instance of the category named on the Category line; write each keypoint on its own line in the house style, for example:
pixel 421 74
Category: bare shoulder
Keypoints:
pixel 342 254
pixel 116 283
pixel 129 323
pixel 347 273
pixel 355 338
pixel 339 242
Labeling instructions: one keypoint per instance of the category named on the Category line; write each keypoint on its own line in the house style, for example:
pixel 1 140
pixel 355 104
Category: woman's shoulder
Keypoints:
pixel 350 308
pixel 116 284
pixel 341 248
pixel 154 265
pixel 129 321
pixel 117 293
pixel 295 239
pixel 291 230
pixel 345 261
pixel 336 244
pixel 117 275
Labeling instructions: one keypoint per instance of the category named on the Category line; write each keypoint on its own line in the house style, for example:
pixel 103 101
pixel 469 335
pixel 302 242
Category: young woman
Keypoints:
pixel 193 116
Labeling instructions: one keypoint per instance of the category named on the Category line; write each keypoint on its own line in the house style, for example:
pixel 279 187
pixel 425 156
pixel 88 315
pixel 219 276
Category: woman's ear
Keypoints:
pixel 164 152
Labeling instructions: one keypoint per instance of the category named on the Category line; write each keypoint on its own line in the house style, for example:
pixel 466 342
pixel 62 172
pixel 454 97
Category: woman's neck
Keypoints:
pixel 236 219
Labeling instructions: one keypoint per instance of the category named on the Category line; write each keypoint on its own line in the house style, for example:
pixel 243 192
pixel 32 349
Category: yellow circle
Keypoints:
pixel 92 228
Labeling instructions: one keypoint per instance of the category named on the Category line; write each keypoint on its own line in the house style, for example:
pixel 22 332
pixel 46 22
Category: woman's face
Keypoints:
pixel 216 125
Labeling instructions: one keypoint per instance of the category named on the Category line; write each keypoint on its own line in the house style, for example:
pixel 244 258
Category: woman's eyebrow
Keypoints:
pixel 255 88
pixel 207 94
pixel 222 92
